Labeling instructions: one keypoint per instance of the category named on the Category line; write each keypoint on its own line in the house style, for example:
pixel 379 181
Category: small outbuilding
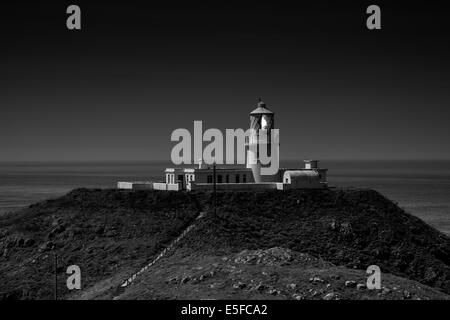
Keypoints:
pixel 302 179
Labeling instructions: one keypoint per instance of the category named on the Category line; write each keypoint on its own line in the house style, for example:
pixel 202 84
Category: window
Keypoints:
pixel 227 178
pixel 209 179
pixel 244 178
pixel 237 178
pixel 265 122
pixel 219 178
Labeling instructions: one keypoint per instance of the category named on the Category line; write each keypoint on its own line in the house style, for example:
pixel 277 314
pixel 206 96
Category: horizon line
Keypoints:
pixel 168 160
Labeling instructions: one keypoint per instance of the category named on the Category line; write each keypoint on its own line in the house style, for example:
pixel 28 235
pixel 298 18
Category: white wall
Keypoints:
pixel 125 185
pixel 235 186
pixel 173 187
pixel 134 185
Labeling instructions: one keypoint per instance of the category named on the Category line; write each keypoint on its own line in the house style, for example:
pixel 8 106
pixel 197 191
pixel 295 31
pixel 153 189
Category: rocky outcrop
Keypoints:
pixel 274 273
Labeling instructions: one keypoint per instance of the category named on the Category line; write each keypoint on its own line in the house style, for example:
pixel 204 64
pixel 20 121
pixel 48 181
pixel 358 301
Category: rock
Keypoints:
pixel 260 287
pixel 406 294
pixel 292 286
pixel 334 226
pixel 46 246
pixel 361 286
pixel 330 296
pixel 185 279
pixel 316 280
pixel 272 257
pixel 298 296
pixel 239 285
pixel 274 292
pixel 173 280
pixel 350 284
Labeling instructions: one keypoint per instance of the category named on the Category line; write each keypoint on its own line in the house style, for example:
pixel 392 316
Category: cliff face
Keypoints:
pixel 110 234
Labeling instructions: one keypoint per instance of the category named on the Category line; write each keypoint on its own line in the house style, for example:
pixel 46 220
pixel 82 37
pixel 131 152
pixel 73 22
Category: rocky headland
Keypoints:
pixel 296 244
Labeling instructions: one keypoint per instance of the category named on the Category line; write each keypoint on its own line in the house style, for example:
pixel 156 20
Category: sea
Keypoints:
pixel 422 188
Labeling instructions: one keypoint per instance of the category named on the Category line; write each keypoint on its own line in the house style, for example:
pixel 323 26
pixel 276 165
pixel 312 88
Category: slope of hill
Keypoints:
pixel 107 233
pixel 275 273
pixel 353 228
pixel 332 235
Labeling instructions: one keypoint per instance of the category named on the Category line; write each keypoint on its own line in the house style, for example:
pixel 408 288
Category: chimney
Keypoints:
pixel 311 164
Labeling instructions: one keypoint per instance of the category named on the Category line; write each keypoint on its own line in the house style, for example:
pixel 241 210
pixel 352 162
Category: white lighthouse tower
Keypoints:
pixel 260 118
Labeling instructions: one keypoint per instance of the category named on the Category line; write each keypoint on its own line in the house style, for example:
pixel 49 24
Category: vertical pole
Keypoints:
pixel 56 275
pixel 214 182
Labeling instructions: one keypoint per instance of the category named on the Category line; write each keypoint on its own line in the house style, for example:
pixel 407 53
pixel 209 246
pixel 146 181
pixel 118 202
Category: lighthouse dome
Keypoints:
pixel 261 108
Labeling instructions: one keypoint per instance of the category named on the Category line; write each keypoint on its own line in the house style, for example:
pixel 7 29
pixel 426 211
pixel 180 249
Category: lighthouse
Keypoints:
pixel 262 171
pixel 260 119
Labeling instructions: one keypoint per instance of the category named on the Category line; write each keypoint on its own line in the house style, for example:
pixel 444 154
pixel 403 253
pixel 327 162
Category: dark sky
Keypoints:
pixel 135 72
